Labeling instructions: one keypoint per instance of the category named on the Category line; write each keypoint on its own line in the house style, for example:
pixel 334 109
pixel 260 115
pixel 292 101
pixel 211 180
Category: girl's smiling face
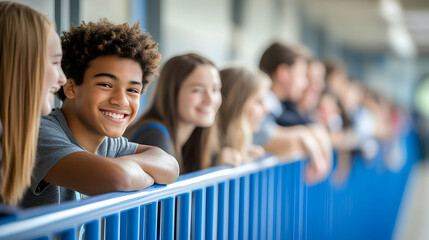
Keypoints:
pixel 199 97
pixel 54 75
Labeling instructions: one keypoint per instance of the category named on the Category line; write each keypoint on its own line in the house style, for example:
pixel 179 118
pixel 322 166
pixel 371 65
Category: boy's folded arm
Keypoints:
pixel 91 174
pixel 163 167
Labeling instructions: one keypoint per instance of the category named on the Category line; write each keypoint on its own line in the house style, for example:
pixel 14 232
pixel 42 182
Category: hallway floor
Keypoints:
pixel 413 218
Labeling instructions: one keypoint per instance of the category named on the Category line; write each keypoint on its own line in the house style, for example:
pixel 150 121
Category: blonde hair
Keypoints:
pixel 238 85
pixel 196 152
pixel 23 42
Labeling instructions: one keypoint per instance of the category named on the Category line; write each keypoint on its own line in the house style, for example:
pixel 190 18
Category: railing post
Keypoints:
pixel 198 214
pixel 167 219
pixel 262 220
pixel 277 202
pixel 222 220
pixel 112 227
pixel 130 224
pixel 286 203
pixel 233 209
pixel 270 204
pixel 211 213
pixel 149 220
pixel 69 234
pixel 253 205
pixel 92 230
pixel 243 224
pixel 183 227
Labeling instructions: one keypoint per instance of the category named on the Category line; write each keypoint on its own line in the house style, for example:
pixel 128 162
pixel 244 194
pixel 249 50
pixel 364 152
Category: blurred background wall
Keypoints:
pixel 385 43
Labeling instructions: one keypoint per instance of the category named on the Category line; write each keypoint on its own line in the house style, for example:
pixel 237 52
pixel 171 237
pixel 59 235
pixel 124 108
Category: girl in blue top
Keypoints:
pixel 180 118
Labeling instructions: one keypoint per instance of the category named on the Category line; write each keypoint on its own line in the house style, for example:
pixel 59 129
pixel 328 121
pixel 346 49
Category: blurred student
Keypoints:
pixel 241 113
pixel 80 147
pixel 182 112
pixel 285 131
pixel 311 95
pixel 30 74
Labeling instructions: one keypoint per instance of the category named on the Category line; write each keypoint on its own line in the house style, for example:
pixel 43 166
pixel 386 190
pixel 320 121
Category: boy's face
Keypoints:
pixel 108 99
pixel 299 81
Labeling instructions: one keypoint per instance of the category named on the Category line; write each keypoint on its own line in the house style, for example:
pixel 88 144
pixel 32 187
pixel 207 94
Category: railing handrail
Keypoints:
pixel 89 208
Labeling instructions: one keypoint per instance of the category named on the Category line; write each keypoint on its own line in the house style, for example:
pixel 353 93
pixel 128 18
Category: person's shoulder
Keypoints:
pixel 273 104
pixel 52 119
pixel 55 116
pixel 150 128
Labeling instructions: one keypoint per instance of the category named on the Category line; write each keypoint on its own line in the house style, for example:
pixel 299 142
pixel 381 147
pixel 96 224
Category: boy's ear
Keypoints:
pixel 70 89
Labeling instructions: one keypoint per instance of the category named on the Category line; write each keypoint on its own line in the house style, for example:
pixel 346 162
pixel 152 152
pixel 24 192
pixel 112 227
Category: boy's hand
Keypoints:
pixel 161 166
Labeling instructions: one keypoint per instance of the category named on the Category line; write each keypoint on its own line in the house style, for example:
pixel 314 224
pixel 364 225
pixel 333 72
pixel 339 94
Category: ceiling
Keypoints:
pixel 361 23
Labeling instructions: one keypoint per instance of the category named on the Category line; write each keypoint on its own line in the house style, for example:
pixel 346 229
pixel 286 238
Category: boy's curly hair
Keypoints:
pixel 86 42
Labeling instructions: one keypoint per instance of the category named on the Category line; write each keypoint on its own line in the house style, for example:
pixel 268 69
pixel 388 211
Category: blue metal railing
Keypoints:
pixel 266 199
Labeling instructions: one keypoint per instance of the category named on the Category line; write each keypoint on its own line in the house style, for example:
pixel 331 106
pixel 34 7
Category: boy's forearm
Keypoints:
pixel 91 174
pixel 161 166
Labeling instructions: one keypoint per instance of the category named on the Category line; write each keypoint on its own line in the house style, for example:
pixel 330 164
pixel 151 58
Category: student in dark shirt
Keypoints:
pixel 283 132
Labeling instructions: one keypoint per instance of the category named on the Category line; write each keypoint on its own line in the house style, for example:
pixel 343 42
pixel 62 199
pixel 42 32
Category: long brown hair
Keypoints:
pixel 238 85
pixel 163 109
pixel 23 43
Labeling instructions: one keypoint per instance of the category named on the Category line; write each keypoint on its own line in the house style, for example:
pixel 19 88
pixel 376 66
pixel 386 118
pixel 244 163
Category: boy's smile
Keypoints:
pixel 107 100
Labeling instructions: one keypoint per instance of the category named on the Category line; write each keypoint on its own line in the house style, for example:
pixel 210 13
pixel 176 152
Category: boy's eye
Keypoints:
pixel 104 85
pixel 133 90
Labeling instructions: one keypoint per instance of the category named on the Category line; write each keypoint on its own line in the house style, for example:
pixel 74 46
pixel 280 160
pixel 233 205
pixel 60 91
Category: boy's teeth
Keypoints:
pixel 114 115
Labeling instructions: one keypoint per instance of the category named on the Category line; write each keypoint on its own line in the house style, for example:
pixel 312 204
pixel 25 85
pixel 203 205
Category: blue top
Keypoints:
pixel 154 134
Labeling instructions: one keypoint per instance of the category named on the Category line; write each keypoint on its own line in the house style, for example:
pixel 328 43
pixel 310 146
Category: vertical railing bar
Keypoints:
pixel 183 227
pixel 233 209
pixel 142 221
pixel 262 204
pixel 198 214
pixel 278 202
pixel 42 238
pixel 132 224
pixel 253 206
pixel 285 204
pixel 68 234
pixel 167 219
pixel 123 225
pixel 112 227
pixel 150 225
pixel 211 213
pixel 92 229
pixel 243 226
pixel 270 204
pixel 223 197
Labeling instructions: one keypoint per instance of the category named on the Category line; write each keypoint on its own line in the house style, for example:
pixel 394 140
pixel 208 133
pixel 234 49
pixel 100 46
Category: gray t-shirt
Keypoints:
pixel 56 141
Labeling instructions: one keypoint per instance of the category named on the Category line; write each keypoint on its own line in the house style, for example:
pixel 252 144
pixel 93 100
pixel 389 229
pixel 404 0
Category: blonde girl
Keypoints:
pixel 241 113
pixel 30 74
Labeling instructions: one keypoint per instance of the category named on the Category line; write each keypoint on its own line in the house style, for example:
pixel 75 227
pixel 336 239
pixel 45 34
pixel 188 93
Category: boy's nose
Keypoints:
pixel 119 99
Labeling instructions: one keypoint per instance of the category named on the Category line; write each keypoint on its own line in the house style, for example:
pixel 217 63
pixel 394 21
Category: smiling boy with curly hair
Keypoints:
pixel 81 148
